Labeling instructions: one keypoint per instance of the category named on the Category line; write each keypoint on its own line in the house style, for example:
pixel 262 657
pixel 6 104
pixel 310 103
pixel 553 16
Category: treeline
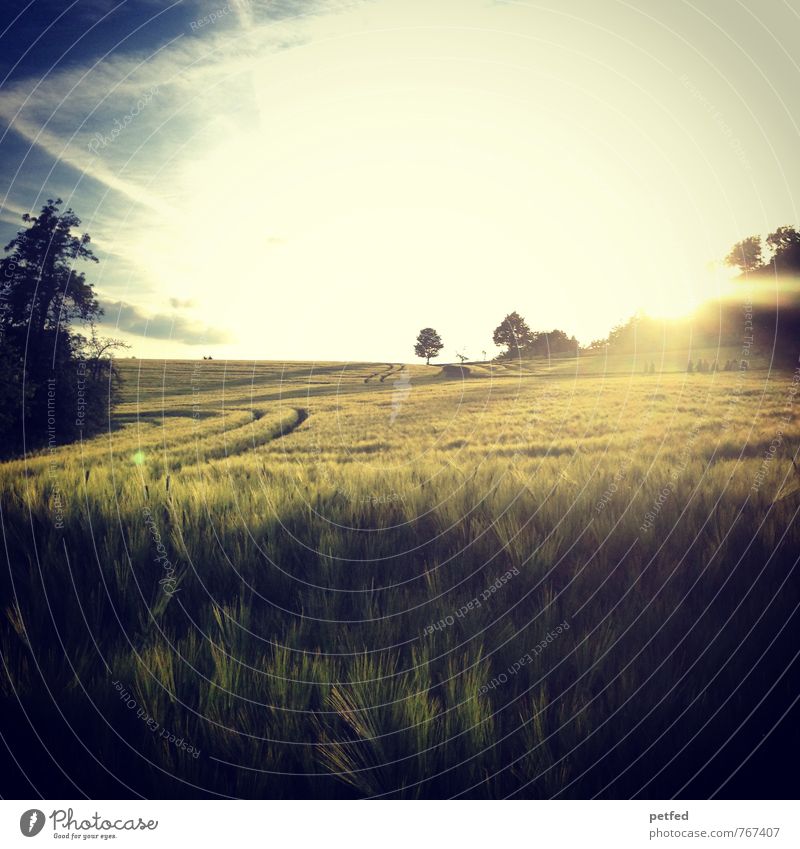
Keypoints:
pixel 764 317
pixel 520 341
pixel 513 334
pixel 57 383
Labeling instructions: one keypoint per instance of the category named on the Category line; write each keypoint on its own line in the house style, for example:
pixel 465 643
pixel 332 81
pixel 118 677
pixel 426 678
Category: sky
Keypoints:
pixel 318 180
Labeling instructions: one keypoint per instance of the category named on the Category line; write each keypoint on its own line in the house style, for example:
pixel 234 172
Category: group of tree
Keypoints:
pixel 767 314
pixel 772 266
pixel 513 334
pixel 57 382
pixel 520 341
pixel 645 333
pixel 783 247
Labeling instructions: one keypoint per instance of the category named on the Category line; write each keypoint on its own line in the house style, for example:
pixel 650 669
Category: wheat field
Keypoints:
pixel 283 580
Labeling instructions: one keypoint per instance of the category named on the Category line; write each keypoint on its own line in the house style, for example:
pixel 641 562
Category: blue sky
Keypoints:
pixel 319 180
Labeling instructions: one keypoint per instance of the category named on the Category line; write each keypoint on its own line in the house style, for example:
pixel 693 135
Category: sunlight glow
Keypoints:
pixel 435 189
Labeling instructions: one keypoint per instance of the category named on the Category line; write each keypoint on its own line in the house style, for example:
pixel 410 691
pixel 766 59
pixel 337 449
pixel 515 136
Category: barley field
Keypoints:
pixel 562 579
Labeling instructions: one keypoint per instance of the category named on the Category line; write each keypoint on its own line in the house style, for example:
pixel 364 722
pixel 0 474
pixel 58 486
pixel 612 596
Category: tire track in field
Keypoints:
pixel 394 369
pixel 385 373
pixel 290 427
pixel 262 431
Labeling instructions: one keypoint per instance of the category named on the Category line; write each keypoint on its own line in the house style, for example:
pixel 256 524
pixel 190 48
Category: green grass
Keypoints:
pixel 319 521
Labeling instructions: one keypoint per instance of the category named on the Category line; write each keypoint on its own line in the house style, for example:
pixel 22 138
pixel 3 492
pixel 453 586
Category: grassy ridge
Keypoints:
pixel 369 577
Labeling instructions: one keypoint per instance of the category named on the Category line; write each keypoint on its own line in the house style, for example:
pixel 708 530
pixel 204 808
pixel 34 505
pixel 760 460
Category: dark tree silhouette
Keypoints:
pixel 97 352
pixel 43 290
pixel 554 342
pixel 55 382
pixel 785 246
pixel 746 255
pixel 428 344
pixel 776 317
pixel 514 333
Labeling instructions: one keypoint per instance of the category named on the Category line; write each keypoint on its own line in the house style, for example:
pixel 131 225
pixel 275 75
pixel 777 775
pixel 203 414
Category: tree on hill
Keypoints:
pixel 775 311
pixel 428 344
pixel 42 288
pixel 643 333
pixel 55 382
pixel 746 255
pixel 514 333
pixel 785 246
pixel 554 342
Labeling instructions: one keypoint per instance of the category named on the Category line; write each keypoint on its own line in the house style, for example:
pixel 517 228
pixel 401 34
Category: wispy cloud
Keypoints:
pixel 133 192
pixel 61 113
pixel 198 76
pixel 177 328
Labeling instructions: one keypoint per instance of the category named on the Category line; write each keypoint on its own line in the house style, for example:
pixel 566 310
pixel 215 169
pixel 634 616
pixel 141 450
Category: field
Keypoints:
pixel 562 579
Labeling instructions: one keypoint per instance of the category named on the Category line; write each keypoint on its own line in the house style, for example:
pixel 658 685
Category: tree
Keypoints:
pixel 52 386
pixel 554 342
pixel 746 255
pixel 43 290
pixel 785 246
pixel 514 333
pixel 428 344
pixel 97 354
